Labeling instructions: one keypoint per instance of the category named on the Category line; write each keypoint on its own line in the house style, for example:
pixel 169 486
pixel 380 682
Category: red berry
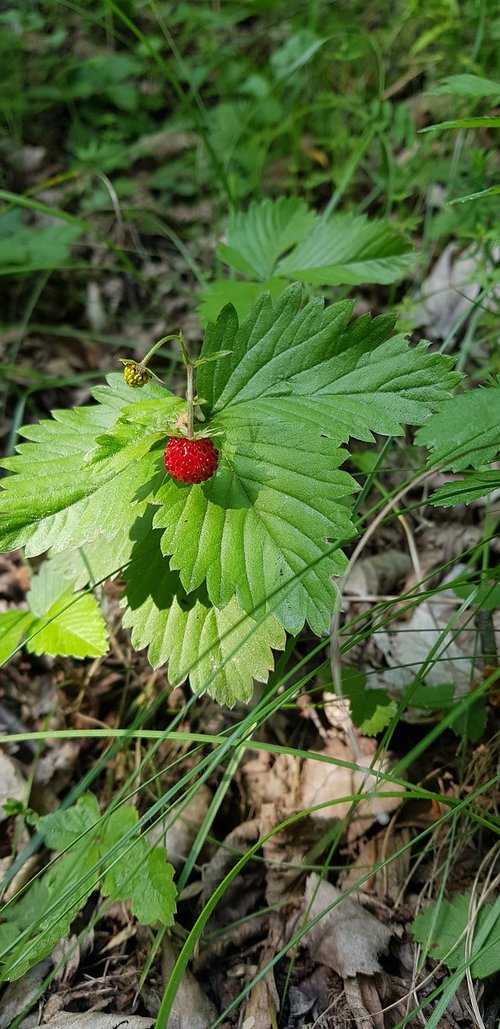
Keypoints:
pixel 191 460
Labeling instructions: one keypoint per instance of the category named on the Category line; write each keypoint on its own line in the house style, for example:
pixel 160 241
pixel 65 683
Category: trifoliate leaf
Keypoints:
pixel 259 237
pixel 279 240
pixel 64 891
pixel 132 870
pixel 222 651
pixel 442 930
pixel 297 382
pixel 140 872
pixel 283 352
pixel 282 239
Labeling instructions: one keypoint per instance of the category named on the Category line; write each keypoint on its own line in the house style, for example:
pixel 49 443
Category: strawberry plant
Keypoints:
pixel 107 853
pixel 225 512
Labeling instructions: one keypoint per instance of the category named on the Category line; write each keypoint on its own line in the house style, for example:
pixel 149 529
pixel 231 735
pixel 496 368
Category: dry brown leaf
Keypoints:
pixel 190 1007
pixel 322 783
pixel 348 938
pixel 19 994
pixel 379 573
pixel 276 783
pixel 97 1020
pixel 385 882
pixel 12 784
pixel 410 642
pixel 263 1002
pixel 450 289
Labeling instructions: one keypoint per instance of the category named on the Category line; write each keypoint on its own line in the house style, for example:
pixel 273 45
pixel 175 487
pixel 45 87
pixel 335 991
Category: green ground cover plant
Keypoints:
pixel 283 223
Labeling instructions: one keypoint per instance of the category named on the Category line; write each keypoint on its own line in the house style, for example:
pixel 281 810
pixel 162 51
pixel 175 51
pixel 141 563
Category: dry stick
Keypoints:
pixel 382 816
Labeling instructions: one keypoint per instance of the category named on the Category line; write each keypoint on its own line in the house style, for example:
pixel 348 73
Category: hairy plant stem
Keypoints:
pixel 156 347
pixel 190 399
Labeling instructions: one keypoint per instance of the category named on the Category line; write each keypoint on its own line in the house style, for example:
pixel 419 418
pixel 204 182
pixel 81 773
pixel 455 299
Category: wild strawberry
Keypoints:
pixel 191 460
pixel 136 375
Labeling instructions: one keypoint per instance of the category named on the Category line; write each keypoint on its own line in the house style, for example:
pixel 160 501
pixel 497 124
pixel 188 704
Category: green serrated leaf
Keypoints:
pixel 13 626
pixel 74 627
pixel 240 294
pixel 261 526
pixel 464 491
pixel 467 85
pixel 347 250
pixel 222 651
pixel 442 930
pixel 81 492
pixel 61 828
pixel 140 874
pixel 371 709
pixel 261 235
pixel 53 918
pixel 296 384
pixel 470 725
pixel 465 432
pixel 63 623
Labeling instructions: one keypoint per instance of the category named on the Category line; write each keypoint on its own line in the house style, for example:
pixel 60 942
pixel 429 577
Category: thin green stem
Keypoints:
pixel 156 347
pixel 190 400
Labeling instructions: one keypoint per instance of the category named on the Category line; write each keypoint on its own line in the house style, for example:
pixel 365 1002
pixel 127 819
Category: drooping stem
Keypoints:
pixel 156 347
pixel 190 400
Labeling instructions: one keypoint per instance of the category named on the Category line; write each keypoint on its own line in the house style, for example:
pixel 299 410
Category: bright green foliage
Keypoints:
pixel 371 709
pixel 279 240
pixel 98 856
pixel 469 724
pixel 442 930
pixel 222 650
pixel 464 434
pixel 139 872
pixel 73 489
pixel 58 622
pixel 486 592
pixel 262 536
pixel 468 85
pixel 13 625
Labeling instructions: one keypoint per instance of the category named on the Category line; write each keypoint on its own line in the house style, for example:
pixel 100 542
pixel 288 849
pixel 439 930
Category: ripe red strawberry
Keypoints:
pixel 191 460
